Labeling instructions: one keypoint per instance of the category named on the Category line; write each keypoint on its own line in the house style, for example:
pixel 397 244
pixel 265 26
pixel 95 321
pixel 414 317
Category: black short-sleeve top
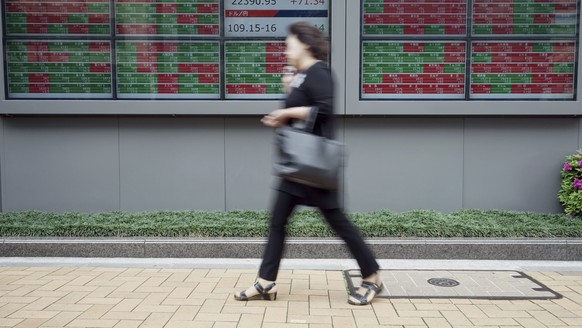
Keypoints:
pixel 313 87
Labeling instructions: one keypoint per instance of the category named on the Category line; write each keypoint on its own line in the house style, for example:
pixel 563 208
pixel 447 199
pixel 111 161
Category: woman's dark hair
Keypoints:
pixel 312 37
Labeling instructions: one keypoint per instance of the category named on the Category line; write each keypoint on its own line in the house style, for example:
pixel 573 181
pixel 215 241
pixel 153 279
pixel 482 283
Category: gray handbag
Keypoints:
pixel 308 159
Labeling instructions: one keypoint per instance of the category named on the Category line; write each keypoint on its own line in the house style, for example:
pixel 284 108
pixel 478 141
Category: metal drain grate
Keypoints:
pixel 443 282
pixel 506 285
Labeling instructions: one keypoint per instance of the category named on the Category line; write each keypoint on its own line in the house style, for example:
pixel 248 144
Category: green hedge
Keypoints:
pixel 466 223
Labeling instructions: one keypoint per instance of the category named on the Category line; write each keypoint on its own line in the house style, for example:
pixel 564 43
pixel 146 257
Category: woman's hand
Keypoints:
pixel 276 118
pixel 279 117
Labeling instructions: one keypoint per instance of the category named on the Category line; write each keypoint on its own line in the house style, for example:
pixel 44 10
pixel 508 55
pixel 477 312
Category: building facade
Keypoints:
pixel 156 104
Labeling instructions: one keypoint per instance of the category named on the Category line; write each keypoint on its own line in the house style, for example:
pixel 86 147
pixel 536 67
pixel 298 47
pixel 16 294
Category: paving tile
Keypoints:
pixel 153 289
pixel 126 315
pixel 436 307
pixel 230 317
pixel 404 307
pixel 100 300
pixel 101 292
pixel 495 321
pixel 188 324
pixel 185 313
pixel 97 323
pixel 319 302
pixel 95 312
pixel 31 323
pixel 437 323
pixel 6 322
pixel 156 320
pixel 339 300
pixel 401 321
pixel 273 314
pixel 16 290
pixel 10 308
pixel 284 325
pixel 134 297
pixel 546 318
pixel 245 309
pixel 309 319
pixel 71 298
pixel 33 314
pixel 321 325
pixel 365 318
pixel 126 305
pixel 332 312
pixel 529 323
pixel 154 298
pixel 212 306
pixel 128 324
pixel 248 320
pixel 204 287
pixel 18 299
pixel 471 311
pixel 420 314
pixel 156 308
pixel 183 301
pixel 456 318
pixel 346 322
pixel 572 321
pixel 298 308
pixel 61 319
pixel 181 292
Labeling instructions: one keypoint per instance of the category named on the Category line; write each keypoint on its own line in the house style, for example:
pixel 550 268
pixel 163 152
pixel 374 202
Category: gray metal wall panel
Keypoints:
pixel 402 164
pixel 65 164
pixel 514 163
pixel 248 160
pixel 61 164
pixel 171 163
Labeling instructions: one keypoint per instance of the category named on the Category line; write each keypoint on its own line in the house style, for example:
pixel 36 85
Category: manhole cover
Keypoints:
pixel 443 282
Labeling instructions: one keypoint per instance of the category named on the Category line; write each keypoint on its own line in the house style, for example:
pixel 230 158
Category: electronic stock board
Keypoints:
pixel 153 49
pixel 516 49
pixel 211 49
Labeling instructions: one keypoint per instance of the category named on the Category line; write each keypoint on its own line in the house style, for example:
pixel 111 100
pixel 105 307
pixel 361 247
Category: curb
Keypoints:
pixel 296 248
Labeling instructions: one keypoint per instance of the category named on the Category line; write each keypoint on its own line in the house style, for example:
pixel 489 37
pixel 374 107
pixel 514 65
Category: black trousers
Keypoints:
pixel 283 207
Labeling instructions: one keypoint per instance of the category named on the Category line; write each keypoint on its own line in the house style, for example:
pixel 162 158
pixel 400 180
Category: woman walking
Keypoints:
pixel 310 96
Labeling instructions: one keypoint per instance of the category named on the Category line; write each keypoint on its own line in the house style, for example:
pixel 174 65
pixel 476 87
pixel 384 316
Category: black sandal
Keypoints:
pixel 363 299
pixel 263 293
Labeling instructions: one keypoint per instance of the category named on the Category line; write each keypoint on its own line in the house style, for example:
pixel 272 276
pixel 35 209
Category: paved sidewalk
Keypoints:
pixel 168 296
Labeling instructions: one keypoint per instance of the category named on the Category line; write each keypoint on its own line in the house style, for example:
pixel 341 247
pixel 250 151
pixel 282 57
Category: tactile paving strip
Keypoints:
pixel 504 285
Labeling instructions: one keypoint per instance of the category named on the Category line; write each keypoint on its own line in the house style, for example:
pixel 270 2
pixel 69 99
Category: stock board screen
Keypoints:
pixel 155 49
pixel 167 17
pixel 59 69
pixel 523 70
pixel 254 69
pixel 413 70
pixel 168 70
pixel 525 17
pixel 61 17
pixel 234 49
pixel 270 18
pixel 422 17
pixel 512 49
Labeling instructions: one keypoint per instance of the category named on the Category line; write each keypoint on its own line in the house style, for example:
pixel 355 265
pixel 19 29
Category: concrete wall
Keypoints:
pixel 133 164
